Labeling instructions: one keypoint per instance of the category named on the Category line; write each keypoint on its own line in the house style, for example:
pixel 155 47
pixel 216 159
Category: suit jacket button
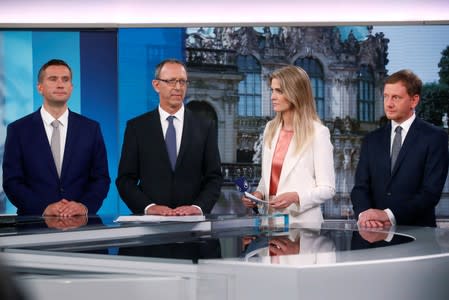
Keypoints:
pixel 61 190
pixel 388 194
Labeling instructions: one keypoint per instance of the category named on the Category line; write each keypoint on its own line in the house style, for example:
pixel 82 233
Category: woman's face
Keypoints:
pixel 278 98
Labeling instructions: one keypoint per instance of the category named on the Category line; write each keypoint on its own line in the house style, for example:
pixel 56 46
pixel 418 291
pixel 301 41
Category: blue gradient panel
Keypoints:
pixel 140 50
pixel 17 75
pixel 62 45
pixel 99 98
pixel 16 82
pixel 100 92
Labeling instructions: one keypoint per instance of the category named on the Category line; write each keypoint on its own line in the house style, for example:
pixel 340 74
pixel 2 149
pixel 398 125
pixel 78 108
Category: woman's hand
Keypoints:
pixel 248 202
pixel 284 200
pixel 283 246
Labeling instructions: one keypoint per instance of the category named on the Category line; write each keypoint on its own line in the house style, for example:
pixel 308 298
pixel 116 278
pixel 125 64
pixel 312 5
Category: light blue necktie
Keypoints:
pixel 170 141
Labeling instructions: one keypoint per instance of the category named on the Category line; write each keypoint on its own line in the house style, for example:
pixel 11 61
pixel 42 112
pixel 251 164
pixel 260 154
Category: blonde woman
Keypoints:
pixel 297 158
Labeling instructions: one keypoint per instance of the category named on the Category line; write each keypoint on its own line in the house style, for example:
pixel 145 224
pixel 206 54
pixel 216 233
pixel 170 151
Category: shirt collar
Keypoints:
pixel 405 125
pixel 48 118
pixel 179 114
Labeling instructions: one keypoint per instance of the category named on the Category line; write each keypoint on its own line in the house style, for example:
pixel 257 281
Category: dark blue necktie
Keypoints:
pixel 170 141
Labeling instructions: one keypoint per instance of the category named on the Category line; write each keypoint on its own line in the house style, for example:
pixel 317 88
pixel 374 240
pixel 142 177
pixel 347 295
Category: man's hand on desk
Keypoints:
pixel 374 218
pixel 187 210
pixel 72 208
pixel 65 208
pixel 162 210
pixel 53 209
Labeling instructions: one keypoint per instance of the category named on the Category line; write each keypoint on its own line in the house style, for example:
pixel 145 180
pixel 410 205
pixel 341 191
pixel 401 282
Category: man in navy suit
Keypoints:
pixel 165 171
pixel 401 186
pixel 73 181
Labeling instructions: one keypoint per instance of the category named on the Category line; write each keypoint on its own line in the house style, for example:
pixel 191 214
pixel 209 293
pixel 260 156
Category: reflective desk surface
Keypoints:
pixel 240 250
pixel 238 238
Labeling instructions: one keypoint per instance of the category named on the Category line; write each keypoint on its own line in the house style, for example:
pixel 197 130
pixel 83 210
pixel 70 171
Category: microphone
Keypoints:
pixel 243 185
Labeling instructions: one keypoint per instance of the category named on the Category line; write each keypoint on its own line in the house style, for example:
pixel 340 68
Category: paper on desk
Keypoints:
pixel 255 199
pixel 156 218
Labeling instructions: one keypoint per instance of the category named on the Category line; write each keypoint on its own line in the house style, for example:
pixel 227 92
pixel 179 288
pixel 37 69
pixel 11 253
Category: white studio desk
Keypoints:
pixel 225 257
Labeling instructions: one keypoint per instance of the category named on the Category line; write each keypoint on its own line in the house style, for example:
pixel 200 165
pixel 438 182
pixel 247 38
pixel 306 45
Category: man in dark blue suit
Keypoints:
pixel 170 164
pixel 401 172
pixel 55 160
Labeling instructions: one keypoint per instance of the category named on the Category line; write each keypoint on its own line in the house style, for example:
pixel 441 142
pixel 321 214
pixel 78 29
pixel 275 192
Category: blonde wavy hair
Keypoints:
pixel 296 87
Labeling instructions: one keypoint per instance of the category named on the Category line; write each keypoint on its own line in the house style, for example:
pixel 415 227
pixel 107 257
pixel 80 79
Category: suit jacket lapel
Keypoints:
pixel 70 142
pixel 186 131
pixel 384 160
pixel 290 160
pixel 267 160
pixel 41 141
pixel 155 130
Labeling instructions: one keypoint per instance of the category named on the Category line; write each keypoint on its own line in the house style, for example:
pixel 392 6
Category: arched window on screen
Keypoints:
pixel 365 94
pixel 316 74
pixel 250 92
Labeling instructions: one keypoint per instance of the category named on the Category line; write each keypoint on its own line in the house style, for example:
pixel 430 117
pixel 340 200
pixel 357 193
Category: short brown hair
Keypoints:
pixel 410 80
pixel 52 62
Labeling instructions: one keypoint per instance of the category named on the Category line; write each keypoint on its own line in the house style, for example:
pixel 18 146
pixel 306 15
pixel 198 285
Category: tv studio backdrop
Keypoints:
pixel 113 47
pixel 112 72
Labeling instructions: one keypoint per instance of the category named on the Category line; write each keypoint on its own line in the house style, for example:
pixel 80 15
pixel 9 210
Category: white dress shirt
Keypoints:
pixel 405 128
pixel 178 123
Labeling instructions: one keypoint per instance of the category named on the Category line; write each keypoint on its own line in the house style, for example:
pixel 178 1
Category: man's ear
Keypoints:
pixel 39 88
pixel 155 84
pixel 415 101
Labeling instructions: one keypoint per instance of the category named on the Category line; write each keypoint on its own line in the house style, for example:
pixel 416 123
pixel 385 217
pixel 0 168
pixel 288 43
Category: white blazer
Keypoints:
pixel 310 173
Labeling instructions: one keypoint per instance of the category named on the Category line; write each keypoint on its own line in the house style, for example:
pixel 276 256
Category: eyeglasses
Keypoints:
pixel 173 82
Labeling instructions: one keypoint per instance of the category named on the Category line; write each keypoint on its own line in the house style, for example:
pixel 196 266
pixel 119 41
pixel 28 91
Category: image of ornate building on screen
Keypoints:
pixel 228 70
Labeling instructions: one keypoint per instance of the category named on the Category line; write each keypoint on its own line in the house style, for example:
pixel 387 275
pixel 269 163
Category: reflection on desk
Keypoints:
pixel 442 238
pixel 298 247
pixel 372 238
pixel 29 224
pixel 244 268
pixel 200 249
pixel 65 223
